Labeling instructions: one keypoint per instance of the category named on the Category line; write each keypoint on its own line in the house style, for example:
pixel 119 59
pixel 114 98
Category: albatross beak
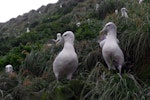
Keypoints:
pixel 103 30
pixel 59 42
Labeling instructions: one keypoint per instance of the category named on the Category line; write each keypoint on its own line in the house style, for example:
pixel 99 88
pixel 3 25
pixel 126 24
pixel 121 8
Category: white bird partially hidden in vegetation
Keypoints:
pixel 60 6
pixel 111 51
pixel 59 39
pixel 116 11
pixel 124 12
pixel 39 12
pixel 66 62
pixel 28 30
pixel 8 68
pixel 140 1
pixel 97 7
pixel 78 24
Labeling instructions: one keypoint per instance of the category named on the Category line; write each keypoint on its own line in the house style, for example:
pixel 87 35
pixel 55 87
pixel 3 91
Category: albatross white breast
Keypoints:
pixel 66 62
pixel 111 51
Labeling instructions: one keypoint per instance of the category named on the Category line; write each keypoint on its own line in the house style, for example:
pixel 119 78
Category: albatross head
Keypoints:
pixel 58 35
pixel 59 39
pixel 68 36
pixel 123 10
pixel 110 26
pixel 9 68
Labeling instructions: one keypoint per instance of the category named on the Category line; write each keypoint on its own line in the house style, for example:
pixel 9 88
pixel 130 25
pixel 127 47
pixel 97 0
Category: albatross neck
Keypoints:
pixel 69 46
pixel 112 33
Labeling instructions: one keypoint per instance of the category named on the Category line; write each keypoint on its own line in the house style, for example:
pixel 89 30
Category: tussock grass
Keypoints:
pixel 39 62
pixel 107 86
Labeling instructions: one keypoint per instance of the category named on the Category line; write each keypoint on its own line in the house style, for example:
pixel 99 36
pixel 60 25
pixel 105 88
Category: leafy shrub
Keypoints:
pixel 85 31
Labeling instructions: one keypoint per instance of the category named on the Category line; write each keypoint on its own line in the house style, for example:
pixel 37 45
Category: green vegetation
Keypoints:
pixel 33 77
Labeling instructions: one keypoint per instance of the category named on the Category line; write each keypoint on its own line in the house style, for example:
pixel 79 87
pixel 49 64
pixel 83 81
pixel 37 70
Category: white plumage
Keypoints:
pixel 28 30
pixel 111 51
pixel 116 11
pixel 124 12
pixel 102 40
pixel 140 1
pixel 8 68
pixel 66 61
pixel 78 24
pixel 60 6
pixel 58 40
pixel 58 37
pixel 97 7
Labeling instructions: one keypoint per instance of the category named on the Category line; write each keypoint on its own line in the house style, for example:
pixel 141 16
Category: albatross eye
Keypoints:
pixel 65 35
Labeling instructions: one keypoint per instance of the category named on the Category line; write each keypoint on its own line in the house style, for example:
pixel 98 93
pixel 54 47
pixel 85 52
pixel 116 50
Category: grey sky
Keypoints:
pixel 12 8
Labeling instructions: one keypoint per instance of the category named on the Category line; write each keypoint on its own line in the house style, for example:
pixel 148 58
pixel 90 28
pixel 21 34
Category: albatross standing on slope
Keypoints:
pixel 111 51
pixel 140 1
pixel 59 39
pixel 124 12
pixel 9 68
pixel 66 61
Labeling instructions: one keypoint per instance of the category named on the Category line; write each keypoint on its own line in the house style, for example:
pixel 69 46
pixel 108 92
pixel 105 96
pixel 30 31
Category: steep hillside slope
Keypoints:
pixel 18 25
pixel 32 58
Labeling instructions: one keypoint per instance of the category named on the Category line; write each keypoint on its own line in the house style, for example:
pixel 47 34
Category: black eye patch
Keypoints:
pixel 65 35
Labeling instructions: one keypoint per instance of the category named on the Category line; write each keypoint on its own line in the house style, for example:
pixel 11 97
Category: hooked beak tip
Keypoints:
pixel 57 43
pixel 102 31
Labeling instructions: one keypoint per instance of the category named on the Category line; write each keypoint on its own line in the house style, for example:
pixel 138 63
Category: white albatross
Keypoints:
pixel 66 62
pixel 111 51
pixel 78 24
pixel 140 1
pixel 28 30
pixel 8 68
pixel 124 12
pixel 116 11
pixel 59 39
